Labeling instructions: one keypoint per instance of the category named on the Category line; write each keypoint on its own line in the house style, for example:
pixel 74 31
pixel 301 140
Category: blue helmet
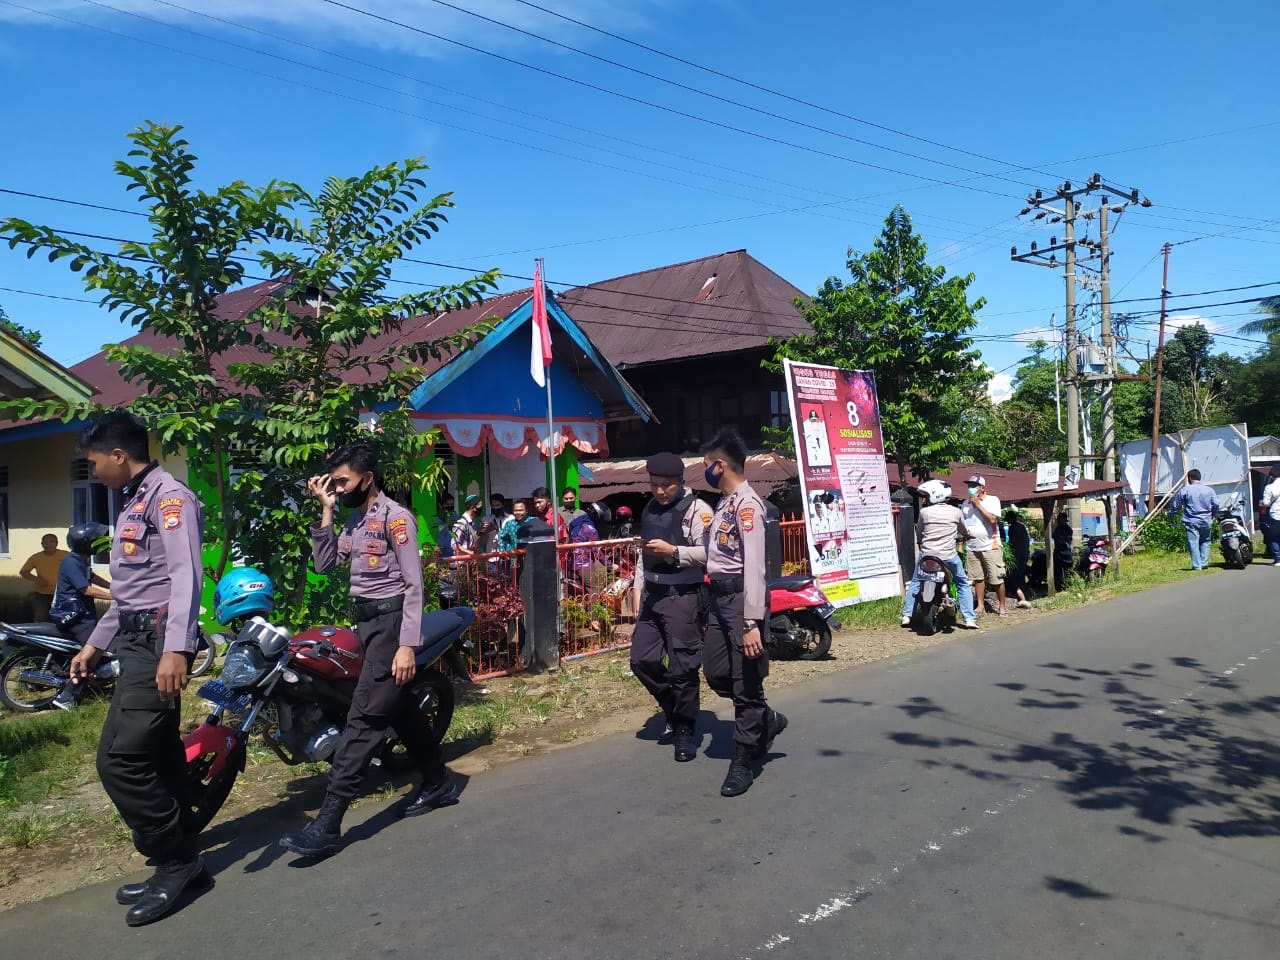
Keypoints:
pixel 243 592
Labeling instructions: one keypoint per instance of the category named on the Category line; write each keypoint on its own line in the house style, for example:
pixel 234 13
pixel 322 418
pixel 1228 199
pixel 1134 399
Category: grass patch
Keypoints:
pixel 43 753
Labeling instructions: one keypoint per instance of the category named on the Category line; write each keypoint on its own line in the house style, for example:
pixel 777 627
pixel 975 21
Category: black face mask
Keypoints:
pixel 354 497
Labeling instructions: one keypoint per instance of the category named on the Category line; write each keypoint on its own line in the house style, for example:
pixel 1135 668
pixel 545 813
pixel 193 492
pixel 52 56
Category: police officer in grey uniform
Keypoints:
pixel 673 566
pixel 156 575
pixel 380 541
pixel 734 658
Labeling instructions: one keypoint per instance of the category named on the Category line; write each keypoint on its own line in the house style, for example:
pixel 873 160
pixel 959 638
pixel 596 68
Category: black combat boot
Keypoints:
pixel 686 742
pixel 322 837
pixel 441 794
pixel 128 894
pixel 178 868
pixel 738 780
pixel 775 723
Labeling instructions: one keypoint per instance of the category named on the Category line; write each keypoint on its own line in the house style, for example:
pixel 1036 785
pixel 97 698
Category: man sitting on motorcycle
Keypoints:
pixel 73 608
pixel 939 527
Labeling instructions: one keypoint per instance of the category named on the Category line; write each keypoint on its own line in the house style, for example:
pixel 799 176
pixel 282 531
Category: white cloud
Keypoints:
pixel 317 21
pixel 1180 320
pixel 999 387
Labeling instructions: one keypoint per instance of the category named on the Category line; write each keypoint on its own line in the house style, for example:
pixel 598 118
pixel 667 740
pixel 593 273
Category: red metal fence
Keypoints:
pixel 489 584
pixel 597 608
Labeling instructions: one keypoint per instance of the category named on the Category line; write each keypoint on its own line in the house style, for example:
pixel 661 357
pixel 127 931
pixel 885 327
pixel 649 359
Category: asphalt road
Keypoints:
pixel 1099 784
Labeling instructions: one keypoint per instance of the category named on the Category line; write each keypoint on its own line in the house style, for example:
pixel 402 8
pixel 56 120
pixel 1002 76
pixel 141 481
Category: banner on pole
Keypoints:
pixel 835 422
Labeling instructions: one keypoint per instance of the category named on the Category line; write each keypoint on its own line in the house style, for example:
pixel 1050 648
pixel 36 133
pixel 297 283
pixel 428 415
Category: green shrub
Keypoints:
pixel 1166 533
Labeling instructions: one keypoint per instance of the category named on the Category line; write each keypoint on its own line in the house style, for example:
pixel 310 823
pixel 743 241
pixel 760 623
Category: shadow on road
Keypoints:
pixel 1192 758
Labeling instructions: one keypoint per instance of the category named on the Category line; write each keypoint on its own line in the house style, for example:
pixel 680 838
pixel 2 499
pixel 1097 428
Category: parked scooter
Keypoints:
pixel 801 619
pixel 936 605
pixel 1234 538
pixel 1095 555
pixel 36 665
pixel 295 692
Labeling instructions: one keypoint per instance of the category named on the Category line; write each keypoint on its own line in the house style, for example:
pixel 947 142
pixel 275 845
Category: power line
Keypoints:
pixel 699 91
pixel 756 135
pixel 776 93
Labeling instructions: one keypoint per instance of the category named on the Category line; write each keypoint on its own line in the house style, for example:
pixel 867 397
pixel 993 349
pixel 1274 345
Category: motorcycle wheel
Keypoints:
pixel 206 653
pixel 433 692
pixel 1246 554
pixel 923 618
pixel 1231 558
pixel 817 635
pixel 206 797
pixel 31 694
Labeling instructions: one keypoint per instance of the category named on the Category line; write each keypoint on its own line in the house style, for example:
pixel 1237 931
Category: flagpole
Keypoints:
pixel 551 438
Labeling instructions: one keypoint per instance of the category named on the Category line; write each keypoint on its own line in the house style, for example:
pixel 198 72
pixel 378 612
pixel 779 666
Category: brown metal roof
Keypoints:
pixel 681 311
pixel 1019 486
pixel 765 472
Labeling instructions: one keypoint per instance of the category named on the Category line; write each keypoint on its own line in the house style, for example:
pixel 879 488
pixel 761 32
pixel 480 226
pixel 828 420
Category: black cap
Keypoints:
pixel 665 465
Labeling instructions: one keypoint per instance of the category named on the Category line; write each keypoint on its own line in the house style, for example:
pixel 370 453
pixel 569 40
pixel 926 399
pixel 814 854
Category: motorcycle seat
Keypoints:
pixel 440 630
pixel 38 629
pixel 790 583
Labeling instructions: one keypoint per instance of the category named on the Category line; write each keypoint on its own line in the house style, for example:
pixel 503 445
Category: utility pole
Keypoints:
pixel 1107 399
pixel 1155 413
pixel 1068 214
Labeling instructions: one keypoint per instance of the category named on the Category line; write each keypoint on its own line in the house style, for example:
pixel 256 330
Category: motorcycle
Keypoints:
pixel 1094 557
pixel 936 605
pixel 295 691
pixel 36 664
pixel 801 619
pixel 1234 538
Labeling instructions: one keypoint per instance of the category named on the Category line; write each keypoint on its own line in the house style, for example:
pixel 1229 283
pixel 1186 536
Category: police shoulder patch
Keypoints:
pixel 747 517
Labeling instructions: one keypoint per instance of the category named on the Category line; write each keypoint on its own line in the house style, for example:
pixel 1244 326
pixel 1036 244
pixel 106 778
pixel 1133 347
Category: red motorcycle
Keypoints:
pixel 801 619
pixel 295 693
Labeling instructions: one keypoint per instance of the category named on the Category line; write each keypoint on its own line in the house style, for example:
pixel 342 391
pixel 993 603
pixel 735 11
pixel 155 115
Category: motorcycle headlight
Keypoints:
pixel 244 666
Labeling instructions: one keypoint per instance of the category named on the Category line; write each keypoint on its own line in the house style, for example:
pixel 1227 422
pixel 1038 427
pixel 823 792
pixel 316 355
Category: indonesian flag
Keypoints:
pixel 540 348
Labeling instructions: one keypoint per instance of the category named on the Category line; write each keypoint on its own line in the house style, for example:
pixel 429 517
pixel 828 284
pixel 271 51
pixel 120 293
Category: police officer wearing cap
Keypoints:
pixel 672 567
pixel 156 575
pixel 380 541
pixel 734 658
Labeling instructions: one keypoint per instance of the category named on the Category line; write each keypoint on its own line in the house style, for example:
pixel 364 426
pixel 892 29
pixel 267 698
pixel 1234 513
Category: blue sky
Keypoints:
pixel 954 110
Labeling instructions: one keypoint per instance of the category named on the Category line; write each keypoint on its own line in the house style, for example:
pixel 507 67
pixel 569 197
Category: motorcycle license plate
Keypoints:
pixel 826 610
pixel 220 695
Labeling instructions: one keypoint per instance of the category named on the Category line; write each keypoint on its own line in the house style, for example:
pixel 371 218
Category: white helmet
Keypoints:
pixel 935 491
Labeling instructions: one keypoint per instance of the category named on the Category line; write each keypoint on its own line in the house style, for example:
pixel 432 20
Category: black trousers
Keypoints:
pixel 141 759
pixel 378 703
pixel 668 625
pixel 730 674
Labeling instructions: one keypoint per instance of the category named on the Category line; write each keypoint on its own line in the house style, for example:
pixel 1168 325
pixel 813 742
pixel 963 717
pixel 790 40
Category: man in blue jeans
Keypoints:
pixel 940 526
pixel 1198 505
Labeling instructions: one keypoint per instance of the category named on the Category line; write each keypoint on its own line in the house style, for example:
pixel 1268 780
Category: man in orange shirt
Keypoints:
pixel 42 570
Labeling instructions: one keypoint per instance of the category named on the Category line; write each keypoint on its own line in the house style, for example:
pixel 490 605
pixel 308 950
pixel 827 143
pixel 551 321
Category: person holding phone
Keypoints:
pixel 670 597
pixel 380 543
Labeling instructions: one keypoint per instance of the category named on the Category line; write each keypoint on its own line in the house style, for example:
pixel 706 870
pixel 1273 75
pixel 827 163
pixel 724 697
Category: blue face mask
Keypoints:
pixel 973 491
pixel 713 478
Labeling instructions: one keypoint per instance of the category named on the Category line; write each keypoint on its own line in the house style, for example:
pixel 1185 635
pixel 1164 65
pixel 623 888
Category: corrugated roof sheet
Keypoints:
pixel 656 314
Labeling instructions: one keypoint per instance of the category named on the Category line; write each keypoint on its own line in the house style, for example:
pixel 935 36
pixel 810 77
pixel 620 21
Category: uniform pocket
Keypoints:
pixel 374 554
pixel 134 546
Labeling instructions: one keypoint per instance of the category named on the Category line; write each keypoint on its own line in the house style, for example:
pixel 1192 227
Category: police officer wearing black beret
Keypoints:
pixel 672 573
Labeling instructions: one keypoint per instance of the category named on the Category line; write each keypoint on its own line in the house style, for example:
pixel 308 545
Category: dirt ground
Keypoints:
pixel 94 847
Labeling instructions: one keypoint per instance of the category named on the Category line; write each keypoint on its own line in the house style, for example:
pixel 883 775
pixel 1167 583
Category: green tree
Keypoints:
pixel 254 403
pixel 33 337
pixel 908 323
pixel 1268 323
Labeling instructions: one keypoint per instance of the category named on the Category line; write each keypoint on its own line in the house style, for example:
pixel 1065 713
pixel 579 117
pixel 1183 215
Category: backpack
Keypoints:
pixel 582 530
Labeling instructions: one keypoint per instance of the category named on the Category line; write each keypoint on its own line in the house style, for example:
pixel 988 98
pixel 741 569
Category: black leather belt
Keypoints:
pixel 137 621
pixel 727 585
pixel 671 587
pixel 368 609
